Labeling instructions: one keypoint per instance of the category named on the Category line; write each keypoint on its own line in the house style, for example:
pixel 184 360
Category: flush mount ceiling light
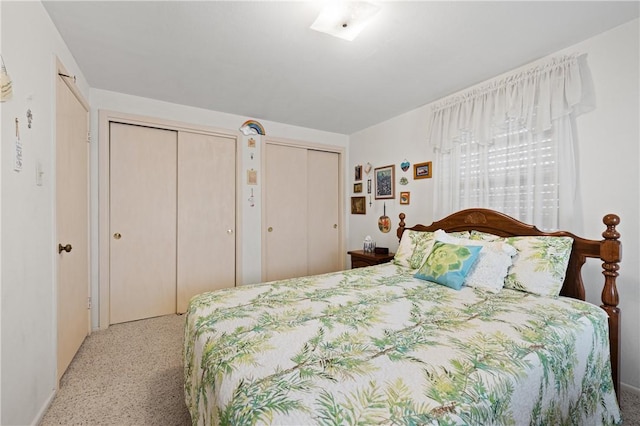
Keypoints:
pixel 345 19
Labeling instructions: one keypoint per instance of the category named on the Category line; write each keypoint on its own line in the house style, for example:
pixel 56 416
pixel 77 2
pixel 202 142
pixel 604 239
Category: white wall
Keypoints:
pixel 609 152
pixel 30 44
pixel 249 218
pixel 390 142
pixel 608 155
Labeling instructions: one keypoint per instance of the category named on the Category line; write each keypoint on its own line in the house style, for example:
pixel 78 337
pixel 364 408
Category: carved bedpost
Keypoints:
pixel 611 253
pixel 401 226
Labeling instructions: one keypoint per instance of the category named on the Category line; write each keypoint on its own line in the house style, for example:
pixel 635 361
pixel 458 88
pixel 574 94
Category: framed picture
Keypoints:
pixel 385 182
pixel 405 197
pixel 358 205
pixel 252 177
pixel 368 186
pixel 422 170
pixel 357 187
pixel 358 173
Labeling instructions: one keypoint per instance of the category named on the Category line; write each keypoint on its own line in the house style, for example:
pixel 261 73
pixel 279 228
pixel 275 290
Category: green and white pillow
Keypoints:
pixel 540 265
pixel 484 236
pixel 416 245
pixel 448 264
pixel 494 261
pixel 413 248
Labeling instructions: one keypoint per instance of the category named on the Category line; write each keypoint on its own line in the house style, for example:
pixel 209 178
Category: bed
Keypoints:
pixel 399 343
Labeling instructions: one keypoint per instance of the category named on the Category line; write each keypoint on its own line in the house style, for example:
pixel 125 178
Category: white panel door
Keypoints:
pixel 206 214
pixel 323 175
pixel 285 204
pixel 142 222
pixel 72 224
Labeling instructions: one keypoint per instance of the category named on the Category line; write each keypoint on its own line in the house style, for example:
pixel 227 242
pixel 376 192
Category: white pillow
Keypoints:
pixel 494 261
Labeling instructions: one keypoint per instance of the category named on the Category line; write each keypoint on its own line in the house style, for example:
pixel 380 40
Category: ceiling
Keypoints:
pixel 261 60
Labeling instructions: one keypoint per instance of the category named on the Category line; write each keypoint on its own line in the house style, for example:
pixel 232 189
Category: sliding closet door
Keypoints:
pixel 206 214
pixel 142 222
pixel 302 211
pixel 285 212
pixel 323 251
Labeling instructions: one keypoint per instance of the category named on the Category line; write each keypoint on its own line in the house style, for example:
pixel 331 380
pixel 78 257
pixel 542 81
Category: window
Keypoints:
pixel 502 147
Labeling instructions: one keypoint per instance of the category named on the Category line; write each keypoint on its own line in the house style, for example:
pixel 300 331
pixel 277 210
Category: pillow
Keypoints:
pixel 484 236
pixel 490 271
pixel 540 265
pixel 448 264
pixel 415 246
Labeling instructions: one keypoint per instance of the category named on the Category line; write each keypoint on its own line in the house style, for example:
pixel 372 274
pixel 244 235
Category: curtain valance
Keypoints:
pixel 534 98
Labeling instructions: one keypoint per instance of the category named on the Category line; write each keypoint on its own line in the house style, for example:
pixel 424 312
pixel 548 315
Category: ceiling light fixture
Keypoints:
pixel 345 19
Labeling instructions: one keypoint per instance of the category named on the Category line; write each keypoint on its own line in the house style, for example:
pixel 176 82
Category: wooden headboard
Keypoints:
pixel 609 250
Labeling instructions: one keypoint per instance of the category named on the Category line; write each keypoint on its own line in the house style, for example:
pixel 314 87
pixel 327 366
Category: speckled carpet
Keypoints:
pixel 131 374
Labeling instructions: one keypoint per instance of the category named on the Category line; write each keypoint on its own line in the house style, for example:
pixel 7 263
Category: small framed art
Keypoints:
pixel 385 182
pixel 422 170
pixel 252 177
pixel 405 197
pixel 358 205
pixel 358 173
pixel 357 187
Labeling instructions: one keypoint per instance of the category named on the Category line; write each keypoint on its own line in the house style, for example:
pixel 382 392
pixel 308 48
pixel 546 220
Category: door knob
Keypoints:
pixel 62 248
pixel 335 226
pixel 117 236
pixel 229 231
pixel 270 229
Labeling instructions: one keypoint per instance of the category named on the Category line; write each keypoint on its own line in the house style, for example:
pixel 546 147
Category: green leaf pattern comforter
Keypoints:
pixel 377 346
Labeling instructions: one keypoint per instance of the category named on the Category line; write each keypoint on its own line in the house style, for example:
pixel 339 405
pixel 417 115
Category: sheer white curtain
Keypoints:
pixel 510 145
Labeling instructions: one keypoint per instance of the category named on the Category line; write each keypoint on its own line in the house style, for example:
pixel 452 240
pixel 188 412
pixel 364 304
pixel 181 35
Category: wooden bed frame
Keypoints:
pixel 609 250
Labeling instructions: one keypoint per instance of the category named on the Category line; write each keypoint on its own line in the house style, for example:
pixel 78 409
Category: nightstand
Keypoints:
pixel 360 259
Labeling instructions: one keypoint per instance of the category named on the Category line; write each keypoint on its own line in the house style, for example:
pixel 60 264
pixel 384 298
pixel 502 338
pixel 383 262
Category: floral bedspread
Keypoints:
pixel 376 346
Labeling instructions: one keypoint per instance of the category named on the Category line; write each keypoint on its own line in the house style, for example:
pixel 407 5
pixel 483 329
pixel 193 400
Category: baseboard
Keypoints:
pixel 629 388
pixel 44 408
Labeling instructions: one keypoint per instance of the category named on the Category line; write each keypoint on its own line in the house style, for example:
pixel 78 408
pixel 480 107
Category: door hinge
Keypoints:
pixel 88 137
pixel 89 303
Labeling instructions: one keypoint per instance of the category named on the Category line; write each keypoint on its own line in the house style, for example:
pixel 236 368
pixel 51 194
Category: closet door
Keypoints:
pixel 323 175
pixel 285 217
pixel 302 210
pixel 206 215
pixel 142 222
